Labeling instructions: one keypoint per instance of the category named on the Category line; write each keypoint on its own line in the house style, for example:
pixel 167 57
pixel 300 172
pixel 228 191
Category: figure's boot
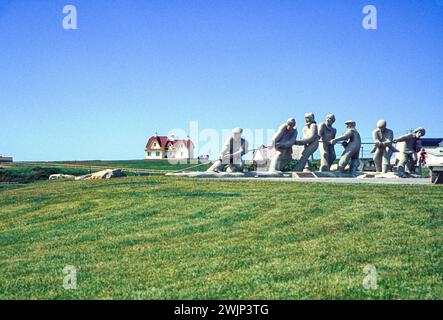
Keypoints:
pixel 353 167
pixel 401 171
pixel 386 168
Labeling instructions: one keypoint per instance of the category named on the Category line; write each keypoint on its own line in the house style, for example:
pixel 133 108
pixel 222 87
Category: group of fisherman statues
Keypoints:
pixel 324 137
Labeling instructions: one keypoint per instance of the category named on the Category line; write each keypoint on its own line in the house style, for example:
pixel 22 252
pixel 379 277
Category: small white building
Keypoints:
pixel 163 147
pixel 5 159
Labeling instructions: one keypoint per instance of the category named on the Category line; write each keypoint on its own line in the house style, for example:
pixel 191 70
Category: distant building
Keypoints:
pixel 163 147
pixel 5 159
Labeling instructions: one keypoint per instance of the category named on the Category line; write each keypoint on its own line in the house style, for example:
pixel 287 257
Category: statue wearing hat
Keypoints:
pixel 408 146
pixel 383 148
pixel 231 154
pixel 326 133
pixel 352 143
pixel 283 140
pixel 309 141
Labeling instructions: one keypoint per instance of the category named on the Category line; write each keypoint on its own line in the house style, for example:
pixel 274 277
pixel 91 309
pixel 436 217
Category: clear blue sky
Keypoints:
pixel 135 67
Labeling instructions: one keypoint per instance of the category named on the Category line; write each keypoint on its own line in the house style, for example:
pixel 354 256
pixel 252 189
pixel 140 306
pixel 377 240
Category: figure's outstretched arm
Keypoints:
pixel 403 138
pixel 311 136
pixel 344 137
pixel 226 148
pixel 241 151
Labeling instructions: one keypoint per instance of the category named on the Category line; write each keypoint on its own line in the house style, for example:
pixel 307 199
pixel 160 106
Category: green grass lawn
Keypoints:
pixel 167 238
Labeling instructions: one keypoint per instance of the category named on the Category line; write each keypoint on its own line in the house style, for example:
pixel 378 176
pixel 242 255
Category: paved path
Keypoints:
pixel 250 176
pixel 405 181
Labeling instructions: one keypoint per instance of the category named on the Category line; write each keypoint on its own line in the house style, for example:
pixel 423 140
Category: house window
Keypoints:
pixel 157 154
pixel 149 154
pixel 155 144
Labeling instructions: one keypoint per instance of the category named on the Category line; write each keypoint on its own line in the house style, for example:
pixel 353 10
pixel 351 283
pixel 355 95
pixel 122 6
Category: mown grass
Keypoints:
pixel 170 238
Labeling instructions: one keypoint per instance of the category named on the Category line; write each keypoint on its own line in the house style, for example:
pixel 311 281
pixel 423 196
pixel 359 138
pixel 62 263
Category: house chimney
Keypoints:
pixel 155 135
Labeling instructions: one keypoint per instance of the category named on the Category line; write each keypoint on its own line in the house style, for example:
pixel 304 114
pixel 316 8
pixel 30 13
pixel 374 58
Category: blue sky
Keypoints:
pixel 135 67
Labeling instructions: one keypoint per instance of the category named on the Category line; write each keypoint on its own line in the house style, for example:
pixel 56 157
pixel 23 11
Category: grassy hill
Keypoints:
pixel 164 237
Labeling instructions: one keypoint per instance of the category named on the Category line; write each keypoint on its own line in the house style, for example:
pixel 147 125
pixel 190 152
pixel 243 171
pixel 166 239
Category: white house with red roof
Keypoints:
pixel 163 147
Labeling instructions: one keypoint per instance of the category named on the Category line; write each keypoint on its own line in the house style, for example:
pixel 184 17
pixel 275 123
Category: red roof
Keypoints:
pixel 164 140
pixel 186 142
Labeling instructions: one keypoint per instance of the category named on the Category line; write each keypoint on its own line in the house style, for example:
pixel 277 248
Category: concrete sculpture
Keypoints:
pixel 352 144
pixel 383 148
pixel 309 141
pixel 408 146
pixel 231 154
pixel 327 132
pixel 283 140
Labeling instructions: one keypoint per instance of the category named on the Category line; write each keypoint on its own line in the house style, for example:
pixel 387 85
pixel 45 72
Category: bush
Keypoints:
pixel 27 175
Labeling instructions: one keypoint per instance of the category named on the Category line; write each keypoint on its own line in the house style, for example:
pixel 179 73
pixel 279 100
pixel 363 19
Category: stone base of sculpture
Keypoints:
pixel 218 175
pixel 325 174
pixel 388 175
pixel 315 175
